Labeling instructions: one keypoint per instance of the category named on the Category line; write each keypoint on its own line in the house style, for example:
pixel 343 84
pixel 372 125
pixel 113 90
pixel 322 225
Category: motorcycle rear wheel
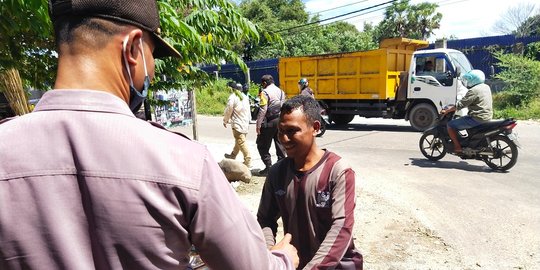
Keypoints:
pixel 505 154
pixel 432 147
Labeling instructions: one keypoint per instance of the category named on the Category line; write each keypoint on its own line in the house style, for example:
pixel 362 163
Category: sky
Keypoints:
pixel 461 18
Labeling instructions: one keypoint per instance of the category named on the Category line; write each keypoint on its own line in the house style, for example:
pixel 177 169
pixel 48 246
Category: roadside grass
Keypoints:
pixel 505 109
pixel 212 98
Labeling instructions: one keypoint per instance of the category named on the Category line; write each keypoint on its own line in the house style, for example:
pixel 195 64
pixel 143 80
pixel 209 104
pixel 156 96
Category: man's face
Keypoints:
pixel 295 133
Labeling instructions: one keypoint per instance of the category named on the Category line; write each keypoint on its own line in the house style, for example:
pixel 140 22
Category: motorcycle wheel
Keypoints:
pixel 432 147
pixel 505 154
pixel 323 128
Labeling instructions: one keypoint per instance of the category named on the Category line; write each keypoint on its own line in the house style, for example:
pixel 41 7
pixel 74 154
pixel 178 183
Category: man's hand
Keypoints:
pixel 224 125
pixel 285 246
pixel 449 109
pixel 258 130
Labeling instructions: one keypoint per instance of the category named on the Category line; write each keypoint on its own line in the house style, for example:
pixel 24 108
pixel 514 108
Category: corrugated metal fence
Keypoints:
pixel 478 50
pixel 256 70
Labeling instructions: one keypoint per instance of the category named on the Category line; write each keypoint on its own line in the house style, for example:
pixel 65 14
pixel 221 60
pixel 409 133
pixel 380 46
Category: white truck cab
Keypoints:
pixel 434 82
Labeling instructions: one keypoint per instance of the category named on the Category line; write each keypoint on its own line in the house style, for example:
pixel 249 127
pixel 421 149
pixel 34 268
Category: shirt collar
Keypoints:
pixel 82 100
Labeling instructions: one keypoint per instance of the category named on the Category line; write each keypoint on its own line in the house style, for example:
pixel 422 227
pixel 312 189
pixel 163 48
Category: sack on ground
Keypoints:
pixel 235 170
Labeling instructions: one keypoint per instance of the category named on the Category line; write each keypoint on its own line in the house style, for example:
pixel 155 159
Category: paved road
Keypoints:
pixel 490 220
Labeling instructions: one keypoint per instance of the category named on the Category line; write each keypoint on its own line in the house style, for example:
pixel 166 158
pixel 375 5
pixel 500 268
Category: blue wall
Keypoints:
pixel 256 70
pixel 476 49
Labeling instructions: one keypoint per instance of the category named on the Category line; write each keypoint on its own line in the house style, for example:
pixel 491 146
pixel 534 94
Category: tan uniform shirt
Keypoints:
pixel 237 112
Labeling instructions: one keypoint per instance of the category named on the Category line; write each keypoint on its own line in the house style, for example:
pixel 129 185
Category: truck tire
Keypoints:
pixel 423 116
pixel 341 119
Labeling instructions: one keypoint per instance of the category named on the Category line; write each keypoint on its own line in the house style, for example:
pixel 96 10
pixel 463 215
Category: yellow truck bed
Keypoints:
pixel 357 75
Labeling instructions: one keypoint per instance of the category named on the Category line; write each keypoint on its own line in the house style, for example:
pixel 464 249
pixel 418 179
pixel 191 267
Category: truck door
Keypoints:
pixel 433 78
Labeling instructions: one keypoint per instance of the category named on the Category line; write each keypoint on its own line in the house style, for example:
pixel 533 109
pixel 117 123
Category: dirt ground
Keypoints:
pixel 387 237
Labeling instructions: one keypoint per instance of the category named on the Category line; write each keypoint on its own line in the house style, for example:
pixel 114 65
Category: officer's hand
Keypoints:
pixel 285 246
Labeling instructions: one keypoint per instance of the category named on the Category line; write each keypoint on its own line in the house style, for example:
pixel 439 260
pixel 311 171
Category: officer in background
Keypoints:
pixel 271 99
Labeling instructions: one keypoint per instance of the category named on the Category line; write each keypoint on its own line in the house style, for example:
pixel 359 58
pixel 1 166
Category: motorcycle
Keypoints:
pixel 324 121
pixel 254 107
pixel 493 142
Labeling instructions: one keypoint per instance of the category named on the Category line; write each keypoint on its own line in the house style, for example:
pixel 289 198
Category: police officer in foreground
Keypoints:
pixel 86 185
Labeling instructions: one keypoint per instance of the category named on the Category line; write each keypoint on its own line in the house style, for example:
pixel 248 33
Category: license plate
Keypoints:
pixel 514 137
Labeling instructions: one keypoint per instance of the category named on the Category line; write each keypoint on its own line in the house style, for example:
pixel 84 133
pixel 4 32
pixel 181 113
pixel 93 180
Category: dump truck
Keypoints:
pixel 397 81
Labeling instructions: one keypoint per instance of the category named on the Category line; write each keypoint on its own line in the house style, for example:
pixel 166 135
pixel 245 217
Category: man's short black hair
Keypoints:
pixel 268 79
pixel 307 104
pixel 232 84
pixel 90 32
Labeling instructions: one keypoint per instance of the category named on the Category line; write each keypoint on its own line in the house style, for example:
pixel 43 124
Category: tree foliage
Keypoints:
pixel 203 31
pixel 530 27
pixel 26 41
pixel 401 19
pixel 519 74
pixel 277 16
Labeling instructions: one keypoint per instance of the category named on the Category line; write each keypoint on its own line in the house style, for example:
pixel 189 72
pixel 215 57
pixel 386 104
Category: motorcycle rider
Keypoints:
pixel 479 102
pixel 303 86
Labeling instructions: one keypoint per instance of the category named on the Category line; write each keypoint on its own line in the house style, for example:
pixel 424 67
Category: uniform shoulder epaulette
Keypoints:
pixel 162 127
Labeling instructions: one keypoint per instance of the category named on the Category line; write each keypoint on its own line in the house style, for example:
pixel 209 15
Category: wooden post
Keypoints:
pixel 11 86
pixel 194 114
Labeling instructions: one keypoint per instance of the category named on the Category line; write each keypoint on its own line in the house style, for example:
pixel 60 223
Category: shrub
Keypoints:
pixel 520 74
pixel 212 98
pixel 529 111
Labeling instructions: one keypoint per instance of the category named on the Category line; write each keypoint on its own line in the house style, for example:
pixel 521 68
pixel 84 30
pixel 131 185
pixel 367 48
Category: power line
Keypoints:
pixel 335 17
pixel 358 15
pixel 312 26
pixel 326 10
pixel 440 3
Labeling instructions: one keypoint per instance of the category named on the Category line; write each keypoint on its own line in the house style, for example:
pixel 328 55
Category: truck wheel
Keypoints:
pixel 341 119
pixel 423 116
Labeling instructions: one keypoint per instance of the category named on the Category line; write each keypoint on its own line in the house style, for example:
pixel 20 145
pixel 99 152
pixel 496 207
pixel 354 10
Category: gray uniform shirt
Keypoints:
pixel 479 102
pixel 271 98
pixel 86 185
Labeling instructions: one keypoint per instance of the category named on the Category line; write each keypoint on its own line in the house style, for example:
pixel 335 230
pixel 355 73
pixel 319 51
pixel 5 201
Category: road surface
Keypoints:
pixel 416 214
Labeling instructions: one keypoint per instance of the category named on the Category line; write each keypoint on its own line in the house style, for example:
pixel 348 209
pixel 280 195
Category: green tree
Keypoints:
pixel 519 74
pixel 26 55
pixel 530 27
pixel 204 31
pixel 401 19
pixel 304 40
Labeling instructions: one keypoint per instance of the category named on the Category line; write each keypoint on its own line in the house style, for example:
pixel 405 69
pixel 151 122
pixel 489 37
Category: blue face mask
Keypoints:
pixel 136 98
